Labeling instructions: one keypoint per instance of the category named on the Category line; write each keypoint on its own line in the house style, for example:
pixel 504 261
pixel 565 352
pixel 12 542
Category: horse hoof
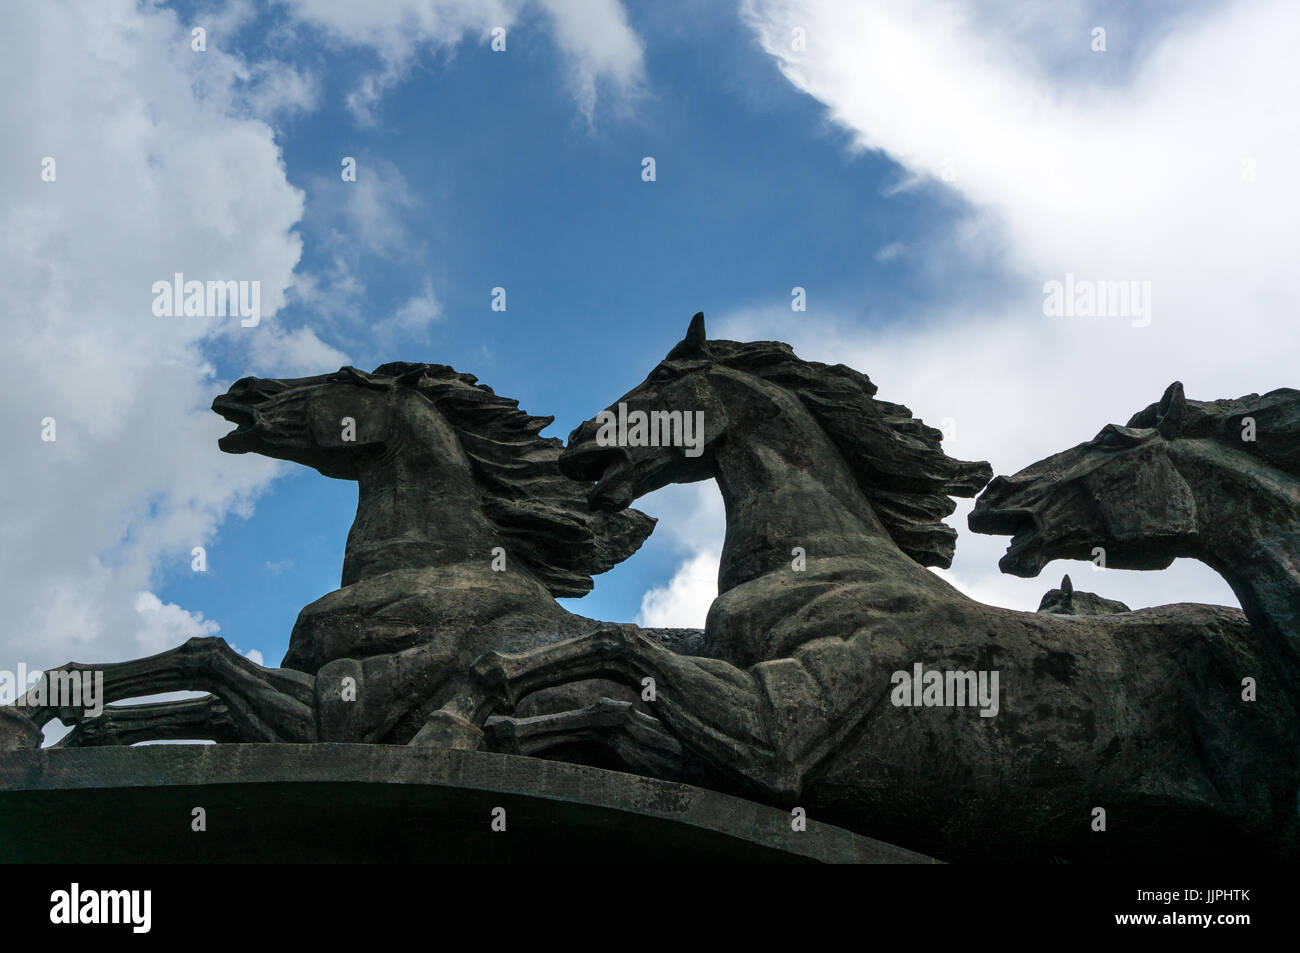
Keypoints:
pixel 446 730
pixel 501 736
pixel 17 731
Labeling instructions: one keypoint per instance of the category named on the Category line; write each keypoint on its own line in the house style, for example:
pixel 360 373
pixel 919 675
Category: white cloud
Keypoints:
pixel 162 624
pixel 600 47
pixel 159 169
pixel 275 89
pixel 296 353
pixel 684 602
pixel 375 208
pixel 266 89
pixel 165 164
pixel 253 655
pixel 691 522
pixel 412 317
pixel 353 225
pixel 1137 174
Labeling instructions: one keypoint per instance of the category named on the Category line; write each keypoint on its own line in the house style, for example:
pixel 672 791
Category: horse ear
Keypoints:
pixel 694 340
pixel 694 344
pixel 1172 410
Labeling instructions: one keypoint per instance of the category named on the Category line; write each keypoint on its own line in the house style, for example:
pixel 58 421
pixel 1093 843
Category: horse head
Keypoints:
pixel 1120 493
pixel 438 455
pixel 1157 489
pixel 756 406
pixel 660 443
pixel 333 423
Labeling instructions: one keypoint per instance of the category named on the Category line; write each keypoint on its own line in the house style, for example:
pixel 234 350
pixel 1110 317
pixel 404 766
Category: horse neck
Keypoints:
pixel 785 485
pixel 1247 512
pixel 417 505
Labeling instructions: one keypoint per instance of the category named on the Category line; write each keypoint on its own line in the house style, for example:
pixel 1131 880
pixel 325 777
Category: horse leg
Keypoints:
pixel 737 730
pixel 207 717
pixel 635 739
pixel 266 704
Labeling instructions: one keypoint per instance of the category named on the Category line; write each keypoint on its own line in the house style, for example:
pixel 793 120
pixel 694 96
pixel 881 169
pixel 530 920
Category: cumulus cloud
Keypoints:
pixel 355 224
pixel 273 89
pixel 600 48
pixel 162 624
pixel 1176 169
pixel 691 523
pixel 157 169
pixel 374 213
pixel 685 601
pixel 253 655
pixel 412 317
pixel 161 160
pixel 295 353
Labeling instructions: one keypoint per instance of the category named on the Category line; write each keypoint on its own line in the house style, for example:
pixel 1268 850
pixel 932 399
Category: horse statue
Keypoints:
pixel 838 674
pixel 1066 601
pixel 466 531
pixel 452 479
pixel 1216 481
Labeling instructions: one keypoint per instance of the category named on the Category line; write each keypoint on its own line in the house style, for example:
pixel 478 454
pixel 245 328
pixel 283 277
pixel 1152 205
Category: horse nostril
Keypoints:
pixel 254 390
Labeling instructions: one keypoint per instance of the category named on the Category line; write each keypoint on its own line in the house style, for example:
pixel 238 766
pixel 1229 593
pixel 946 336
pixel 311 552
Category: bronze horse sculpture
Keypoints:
pixel 465 533
pixel 794 696
pixel 1216 481
pixel 1110 735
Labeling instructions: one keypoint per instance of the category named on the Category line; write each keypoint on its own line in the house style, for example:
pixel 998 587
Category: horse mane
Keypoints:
pixel 542 513
pixel 1277 425
pixel 897 460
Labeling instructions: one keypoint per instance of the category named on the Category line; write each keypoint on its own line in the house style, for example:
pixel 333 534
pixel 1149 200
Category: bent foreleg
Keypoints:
pixel 194 718
pixel 266 704
pixel 718 711
pixel 635 740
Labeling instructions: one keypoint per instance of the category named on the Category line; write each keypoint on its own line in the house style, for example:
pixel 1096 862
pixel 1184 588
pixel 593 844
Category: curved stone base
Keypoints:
pixel 381 803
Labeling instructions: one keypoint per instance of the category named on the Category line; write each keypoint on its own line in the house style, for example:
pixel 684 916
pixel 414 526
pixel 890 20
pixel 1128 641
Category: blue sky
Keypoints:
pixel 920 167
pixel 506 185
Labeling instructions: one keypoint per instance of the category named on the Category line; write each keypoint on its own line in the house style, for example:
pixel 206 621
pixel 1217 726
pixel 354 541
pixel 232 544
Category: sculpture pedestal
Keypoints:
pixel 381 803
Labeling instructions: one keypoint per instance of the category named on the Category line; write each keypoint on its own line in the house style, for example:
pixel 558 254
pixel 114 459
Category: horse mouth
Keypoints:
pixel 614 489
pixel 1024 557
pixel 245 421
pixel 608 467
pixel 589 461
